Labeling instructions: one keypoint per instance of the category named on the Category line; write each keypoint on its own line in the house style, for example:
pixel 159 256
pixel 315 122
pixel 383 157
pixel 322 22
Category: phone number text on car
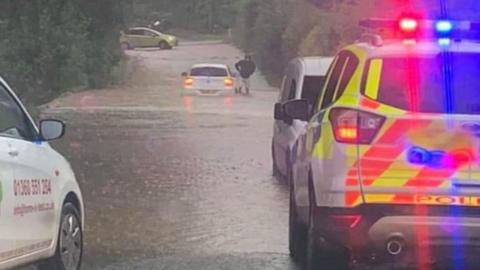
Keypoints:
pixel 32 187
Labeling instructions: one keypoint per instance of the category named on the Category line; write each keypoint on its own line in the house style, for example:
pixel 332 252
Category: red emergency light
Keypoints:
pixel 408 25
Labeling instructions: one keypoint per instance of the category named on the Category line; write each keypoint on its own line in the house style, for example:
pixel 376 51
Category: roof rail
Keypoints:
pixel 372 39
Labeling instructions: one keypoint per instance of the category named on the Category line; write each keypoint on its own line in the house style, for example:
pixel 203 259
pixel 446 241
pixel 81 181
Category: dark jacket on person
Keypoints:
pixel 246 68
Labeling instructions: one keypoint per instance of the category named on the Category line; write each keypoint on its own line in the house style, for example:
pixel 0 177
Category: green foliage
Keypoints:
pixel 278 30
pixel 199 15
pixel 259 31
pixel 50 46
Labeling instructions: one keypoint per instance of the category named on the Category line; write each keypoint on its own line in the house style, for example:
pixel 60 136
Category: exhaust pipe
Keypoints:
pixel 395 247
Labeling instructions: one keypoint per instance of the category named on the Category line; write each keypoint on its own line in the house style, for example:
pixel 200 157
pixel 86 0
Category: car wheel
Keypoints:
pixel 125 46
pixel 69 251
pixel 297 231
pixel 163 45
pixel 320 253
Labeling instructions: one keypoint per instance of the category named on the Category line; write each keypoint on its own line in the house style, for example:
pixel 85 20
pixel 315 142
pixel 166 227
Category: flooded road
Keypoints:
pixel 174 182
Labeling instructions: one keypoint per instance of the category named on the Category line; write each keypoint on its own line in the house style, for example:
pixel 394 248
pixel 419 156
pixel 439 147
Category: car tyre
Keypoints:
pixel 69 250
pixel 297 231
pixel 163 45
pixel 321 254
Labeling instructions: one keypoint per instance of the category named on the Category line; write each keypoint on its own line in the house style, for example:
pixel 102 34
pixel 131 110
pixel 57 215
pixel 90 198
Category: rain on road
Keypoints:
pixel 174 182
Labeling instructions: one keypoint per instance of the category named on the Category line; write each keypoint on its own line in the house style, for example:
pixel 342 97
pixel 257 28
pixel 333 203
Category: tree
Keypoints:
pixel 202 15
pixel 50 46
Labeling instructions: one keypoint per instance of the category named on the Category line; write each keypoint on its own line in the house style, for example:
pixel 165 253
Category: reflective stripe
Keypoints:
pixel 377 160
pixel 379 198
pixel 368 103
pixel 353 198
pixel 400 170
pixel 373 80
pixel 422 199
pixel 389 182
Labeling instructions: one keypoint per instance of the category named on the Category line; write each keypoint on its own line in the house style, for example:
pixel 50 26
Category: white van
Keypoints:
pixel 304 78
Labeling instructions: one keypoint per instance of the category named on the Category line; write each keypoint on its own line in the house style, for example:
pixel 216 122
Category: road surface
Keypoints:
pixel 173 182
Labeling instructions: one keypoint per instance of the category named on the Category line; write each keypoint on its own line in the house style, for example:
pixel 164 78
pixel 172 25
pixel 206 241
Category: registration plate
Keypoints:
pixel 208 92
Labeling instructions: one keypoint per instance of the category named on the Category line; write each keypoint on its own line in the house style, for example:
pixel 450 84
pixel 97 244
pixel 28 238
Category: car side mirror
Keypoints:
pixel 296 109
pixel 51 129
pixel 184 74
pixel 278 112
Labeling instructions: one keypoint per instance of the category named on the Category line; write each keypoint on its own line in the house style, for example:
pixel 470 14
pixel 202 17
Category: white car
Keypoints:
pixel 304 77
pixel 41 207
pixel 209 80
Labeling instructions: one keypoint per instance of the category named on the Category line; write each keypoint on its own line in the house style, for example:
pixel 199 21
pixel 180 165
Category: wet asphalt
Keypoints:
pixel 172 182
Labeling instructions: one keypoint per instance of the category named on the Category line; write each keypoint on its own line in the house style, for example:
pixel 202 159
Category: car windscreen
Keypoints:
pixel 447 82
pixel 312 86
pixel 208 72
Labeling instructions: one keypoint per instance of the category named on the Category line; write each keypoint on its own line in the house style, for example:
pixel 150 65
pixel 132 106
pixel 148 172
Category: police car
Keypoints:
pixel 41 208
pixel 389 168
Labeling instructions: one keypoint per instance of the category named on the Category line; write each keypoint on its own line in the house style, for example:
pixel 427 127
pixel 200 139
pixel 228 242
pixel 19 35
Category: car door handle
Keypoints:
pixel 13 152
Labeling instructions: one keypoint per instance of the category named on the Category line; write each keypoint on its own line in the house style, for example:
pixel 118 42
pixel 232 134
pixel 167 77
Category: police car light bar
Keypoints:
pixel 441 28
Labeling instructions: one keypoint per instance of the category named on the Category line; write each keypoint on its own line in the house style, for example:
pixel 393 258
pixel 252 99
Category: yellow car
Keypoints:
pixel 388 169
pixel 142 37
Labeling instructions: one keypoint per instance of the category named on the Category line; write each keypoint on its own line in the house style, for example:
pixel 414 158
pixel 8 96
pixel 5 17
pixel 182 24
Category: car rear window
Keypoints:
pixel 441 83
pixel 209 72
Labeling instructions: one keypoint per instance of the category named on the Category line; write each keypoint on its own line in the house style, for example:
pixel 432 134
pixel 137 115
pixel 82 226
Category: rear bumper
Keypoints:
pixel 205 92
pixel 423 233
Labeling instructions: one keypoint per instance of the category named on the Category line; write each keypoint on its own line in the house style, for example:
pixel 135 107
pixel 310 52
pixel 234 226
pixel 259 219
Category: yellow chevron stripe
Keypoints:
pixel 379 198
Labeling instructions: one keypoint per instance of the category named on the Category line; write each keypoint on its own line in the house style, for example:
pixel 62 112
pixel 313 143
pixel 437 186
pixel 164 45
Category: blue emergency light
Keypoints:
pixel 444 26
pixel 444 42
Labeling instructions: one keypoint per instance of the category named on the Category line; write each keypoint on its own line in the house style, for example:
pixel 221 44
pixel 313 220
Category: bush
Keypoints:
pixel 277 31
pixel 259 31
pixel 199 15
pixel 50 46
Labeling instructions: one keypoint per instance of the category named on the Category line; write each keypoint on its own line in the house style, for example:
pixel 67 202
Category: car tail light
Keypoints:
pixel 188 82
pixel 228 82
pixel 354 126
pixel 348 221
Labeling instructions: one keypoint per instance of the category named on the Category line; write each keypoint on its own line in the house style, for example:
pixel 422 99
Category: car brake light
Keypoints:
pixel 188 82
pixel 348 133
pixel 228 82
pixel 354 126
pixel 349 221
